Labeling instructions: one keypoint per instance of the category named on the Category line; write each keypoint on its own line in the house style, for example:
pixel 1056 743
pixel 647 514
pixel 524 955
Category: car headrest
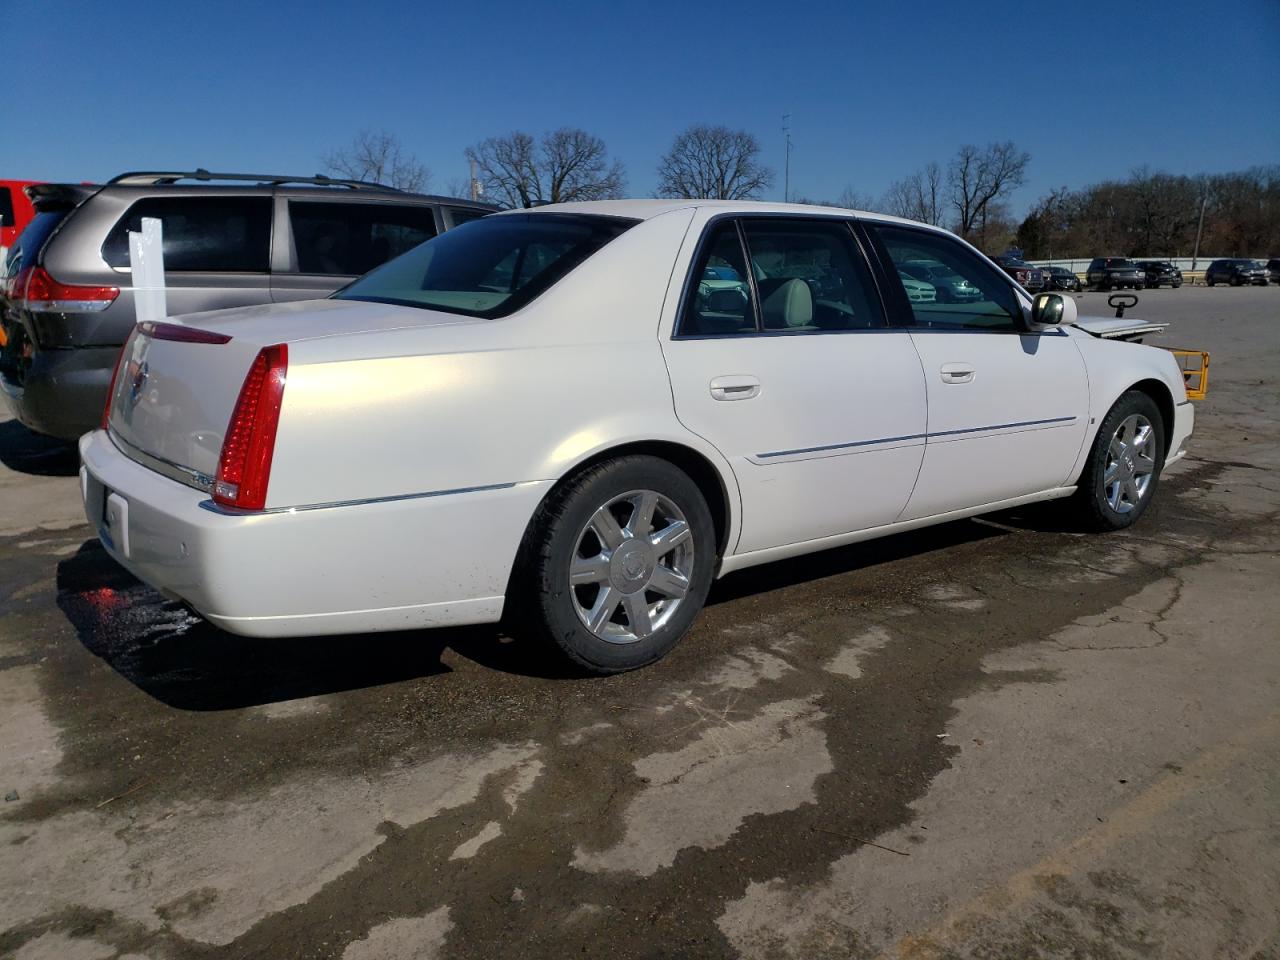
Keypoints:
pixel 788 304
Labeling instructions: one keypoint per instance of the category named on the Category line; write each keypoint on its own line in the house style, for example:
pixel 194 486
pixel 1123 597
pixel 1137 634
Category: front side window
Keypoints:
pixel 981 298
pixel 489 267
pixel 350 239
pixel 206 234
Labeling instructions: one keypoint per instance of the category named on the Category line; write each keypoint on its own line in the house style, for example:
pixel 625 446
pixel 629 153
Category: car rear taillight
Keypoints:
pixel 111 388
pixel 43 294
pixel 244 466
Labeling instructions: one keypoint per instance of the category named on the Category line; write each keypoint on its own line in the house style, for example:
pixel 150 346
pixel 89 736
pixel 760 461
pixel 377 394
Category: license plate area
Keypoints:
pixel 114 528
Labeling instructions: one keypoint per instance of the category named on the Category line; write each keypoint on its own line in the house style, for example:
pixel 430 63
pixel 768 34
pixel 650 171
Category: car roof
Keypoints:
pixel 647 209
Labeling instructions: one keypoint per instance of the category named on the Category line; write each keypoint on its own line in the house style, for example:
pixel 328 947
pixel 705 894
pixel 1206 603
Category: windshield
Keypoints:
pixel 488 267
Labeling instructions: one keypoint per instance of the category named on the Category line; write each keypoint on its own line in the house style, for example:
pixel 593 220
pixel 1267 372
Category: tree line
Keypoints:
pixel 1149 214
pixel 1155 214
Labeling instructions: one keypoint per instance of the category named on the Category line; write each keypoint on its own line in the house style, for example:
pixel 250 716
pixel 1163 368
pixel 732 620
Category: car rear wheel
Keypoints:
pixel 618 563
pixel 1123 470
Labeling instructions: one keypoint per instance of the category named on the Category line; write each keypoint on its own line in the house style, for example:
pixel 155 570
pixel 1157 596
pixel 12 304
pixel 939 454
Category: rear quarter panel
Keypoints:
pixel 518 399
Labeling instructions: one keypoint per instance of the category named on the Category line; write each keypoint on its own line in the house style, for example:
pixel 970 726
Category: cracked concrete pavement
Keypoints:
pixel 990 739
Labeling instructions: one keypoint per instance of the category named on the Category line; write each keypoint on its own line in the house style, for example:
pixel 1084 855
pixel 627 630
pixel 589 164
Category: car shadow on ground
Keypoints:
pixel 27 452
pixel 179 659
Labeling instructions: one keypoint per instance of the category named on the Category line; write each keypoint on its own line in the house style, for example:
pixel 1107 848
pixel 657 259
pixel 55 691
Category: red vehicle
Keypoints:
pixel 15 210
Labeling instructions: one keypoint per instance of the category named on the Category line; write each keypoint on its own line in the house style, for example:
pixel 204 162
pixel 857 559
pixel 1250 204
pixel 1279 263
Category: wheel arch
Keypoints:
pixel 1159 393
pixel 709 479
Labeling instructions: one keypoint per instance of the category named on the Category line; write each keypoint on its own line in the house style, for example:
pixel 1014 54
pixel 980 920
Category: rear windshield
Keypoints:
pixel 26 248
pixel 488 267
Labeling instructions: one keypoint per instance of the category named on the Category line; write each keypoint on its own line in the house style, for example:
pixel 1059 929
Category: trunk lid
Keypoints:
pixel 172 399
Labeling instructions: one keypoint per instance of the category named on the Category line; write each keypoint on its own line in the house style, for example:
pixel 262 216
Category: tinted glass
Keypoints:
pixel 6 208
pixel 460 215
pixel 218 234
pixel 720 301
pixel 491 266
pixel 348 239
pixel 810 276
pixel 991 303
pixel 26 248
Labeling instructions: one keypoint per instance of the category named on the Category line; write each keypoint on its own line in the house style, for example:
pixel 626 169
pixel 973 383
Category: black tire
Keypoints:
pixel 1208 282
pixel 1235 281
pixel 544 601
pixel 1176 285
pixel 1089 505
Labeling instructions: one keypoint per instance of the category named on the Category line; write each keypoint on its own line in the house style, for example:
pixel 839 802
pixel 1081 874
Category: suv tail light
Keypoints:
pixel 244 466
pixel 43 294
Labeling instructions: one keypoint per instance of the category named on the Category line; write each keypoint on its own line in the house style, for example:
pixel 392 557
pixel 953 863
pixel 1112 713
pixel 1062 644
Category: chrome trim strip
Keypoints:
pixel 839 446
pixel 914 436
pixel 232 512
pixel 167 468
pixel 1003 426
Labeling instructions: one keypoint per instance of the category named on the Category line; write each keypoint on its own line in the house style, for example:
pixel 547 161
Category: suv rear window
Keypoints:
pixel 488 267
pixel 207 234
pixel 27 247
pixel 348 239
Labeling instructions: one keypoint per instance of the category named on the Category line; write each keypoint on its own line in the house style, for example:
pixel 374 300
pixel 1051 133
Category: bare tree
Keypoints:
pixel 980 177
pixel 378 157
pixel 567 164
pixel 917 197
pixel 713 162
pixel 852 199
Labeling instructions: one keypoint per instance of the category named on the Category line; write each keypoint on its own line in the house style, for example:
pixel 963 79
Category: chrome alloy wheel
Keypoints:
pixel 631 567
pixel 1130 464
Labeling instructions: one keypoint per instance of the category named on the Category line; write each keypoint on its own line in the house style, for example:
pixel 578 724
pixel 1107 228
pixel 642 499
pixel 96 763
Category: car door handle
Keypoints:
pixel 957 372
pixel 735 388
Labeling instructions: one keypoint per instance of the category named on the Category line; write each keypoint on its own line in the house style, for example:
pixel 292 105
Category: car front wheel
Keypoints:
pixel 618 563
pixel 1123 470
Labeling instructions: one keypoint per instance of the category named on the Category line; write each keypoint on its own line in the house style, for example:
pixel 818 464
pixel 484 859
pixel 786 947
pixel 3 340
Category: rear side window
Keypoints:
pixel 207 234
pixel 810 277
pixel 350 239
pixel 989 304
pixel 489 267
pixel 26 249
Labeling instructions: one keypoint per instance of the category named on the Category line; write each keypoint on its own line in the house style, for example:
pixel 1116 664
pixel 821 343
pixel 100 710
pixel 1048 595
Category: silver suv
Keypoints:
pixel 65 298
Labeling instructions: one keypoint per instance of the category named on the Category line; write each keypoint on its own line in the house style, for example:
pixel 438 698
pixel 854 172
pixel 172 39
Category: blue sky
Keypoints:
pixel 874 90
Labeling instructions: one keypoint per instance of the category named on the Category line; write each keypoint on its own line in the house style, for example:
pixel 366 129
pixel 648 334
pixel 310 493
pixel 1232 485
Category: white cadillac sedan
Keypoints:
pixel 584 413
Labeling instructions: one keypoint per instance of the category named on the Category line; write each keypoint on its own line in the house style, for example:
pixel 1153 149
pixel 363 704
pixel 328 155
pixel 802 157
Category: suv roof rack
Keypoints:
pixel 152 177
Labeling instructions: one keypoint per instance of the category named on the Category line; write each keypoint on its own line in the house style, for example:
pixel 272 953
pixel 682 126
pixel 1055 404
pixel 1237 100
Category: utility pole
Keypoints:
pixel 476 187
pixel 786 176
pixel 1195 254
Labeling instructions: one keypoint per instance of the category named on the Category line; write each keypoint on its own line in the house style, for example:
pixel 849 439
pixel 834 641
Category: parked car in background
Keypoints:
pixel 1273 268
pixel 948 285
pixel 1031 278
pixel 917 290
pixel 229 240
pixel 15 212
pixel 417 452
pixel 1160 272
pixel 1236 272
pixel 1060 278
pixel 1115 273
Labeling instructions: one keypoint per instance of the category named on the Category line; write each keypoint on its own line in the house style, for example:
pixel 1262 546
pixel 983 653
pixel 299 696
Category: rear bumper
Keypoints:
pixel 62 392
pixel 425 561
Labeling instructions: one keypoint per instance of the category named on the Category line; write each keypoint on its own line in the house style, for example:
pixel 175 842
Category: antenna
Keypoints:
pixel 786 176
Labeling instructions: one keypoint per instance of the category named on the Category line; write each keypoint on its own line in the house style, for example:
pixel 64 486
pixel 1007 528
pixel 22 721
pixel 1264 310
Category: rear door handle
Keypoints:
pixel 957 372
pixel 735 388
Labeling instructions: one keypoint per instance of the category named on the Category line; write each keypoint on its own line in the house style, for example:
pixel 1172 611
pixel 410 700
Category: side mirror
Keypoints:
pixel 1053 310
